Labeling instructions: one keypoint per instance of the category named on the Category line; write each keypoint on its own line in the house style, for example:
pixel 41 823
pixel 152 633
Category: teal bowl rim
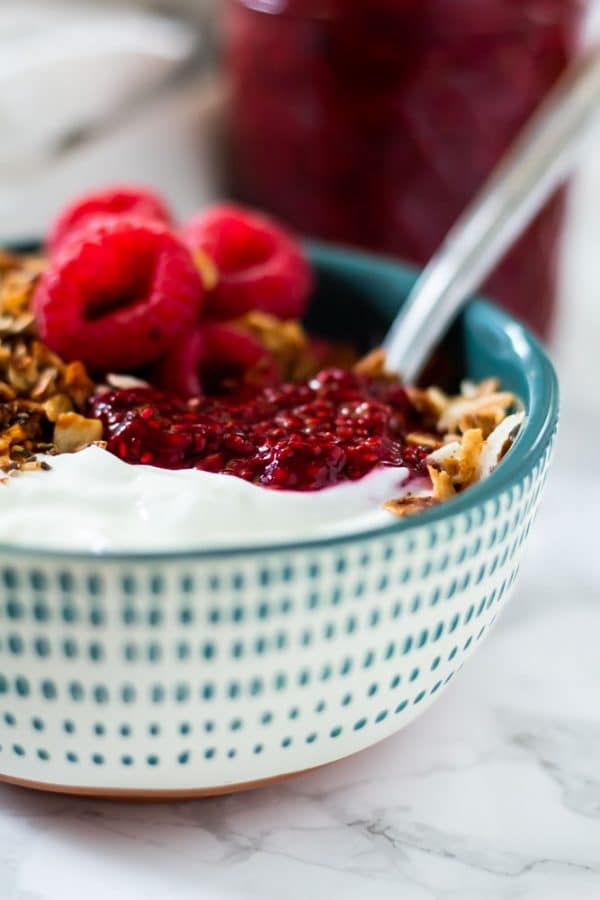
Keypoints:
pixel 534 437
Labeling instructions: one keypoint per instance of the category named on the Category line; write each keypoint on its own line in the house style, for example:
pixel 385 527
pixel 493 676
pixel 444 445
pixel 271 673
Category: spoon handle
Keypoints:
pixel 537 162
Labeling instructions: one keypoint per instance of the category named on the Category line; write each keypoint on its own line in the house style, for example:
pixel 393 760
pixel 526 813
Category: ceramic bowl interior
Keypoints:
pixel 203 672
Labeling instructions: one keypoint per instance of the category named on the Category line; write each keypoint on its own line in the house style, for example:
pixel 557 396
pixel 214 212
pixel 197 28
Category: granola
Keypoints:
pixel 476 428
pixel 72 432
pixel 36 386
pixel 287 342
pixel 298 356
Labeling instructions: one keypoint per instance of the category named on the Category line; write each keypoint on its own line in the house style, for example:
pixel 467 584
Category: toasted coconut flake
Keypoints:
pixel 460 407
pixel 72 432
pixel 431 402
pixel 32 465
pixel 473 389
pixel 473 456
pixel 423 439
pixel 459 460
pixel 56 405
pixel 447 451
pixel 451 437
pixel 471 447
pixel 486 420
pixel 409 505
pixel 46 383
pixel 125 382
pixel 498 443
pixel 372 365
pixel 443 488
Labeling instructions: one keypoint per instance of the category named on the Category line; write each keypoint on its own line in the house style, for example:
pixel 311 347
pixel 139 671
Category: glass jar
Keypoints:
pixel 373 122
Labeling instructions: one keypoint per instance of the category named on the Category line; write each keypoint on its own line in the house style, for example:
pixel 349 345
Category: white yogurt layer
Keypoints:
pixel 92 501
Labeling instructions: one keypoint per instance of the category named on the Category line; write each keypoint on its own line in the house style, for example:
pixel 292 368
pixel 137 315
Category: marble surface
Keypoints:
pixel 493 793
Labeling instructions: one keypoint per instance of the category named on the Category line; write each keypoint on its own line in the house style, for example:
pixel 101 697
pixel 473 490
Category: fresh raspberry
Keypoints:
pixel 218 357
pixel 118 200
pixel 232 357
pixel 179 371
pixel 118 295
pixel 260 265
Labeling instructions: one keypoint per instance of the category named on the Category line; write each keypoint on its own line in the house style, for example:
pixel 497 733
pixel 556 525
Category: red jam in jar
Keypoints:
pixel 373 122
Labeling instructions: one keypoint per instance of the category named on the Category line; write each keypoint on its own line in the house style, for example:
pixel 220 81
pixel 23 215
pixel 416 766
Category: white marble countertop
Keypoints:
pixel 493 793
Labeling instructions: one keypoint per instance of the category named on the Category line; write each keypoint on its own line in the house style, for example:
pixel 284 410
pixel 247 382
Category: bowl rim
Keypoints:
pixel 534 437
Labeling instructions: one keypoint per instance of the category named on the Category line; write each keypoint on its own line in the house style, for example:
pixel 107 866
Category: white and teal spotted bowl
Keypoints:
pixel 205 672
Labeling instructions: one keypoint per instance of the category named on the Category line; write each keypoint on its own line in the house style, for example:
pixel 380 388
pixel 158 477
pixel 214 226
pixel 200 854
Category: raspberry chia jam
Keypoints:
pixel 373 122
pixel 336 427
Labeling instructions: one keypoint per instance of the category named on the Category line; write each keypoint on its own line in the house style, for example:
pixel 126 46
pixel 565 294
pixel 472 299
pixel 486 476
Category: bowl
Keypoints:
pixel 203 672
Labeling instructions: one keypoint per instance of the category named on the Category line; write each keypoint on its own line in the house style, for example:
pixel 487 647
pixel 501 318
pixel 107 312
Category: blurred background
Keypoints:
pixel 370 122
pixel 85 97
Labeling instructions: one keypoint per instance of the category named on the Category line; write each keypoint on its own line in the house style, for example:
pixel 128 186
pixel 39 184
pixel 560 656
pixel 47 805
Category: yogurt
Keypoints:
pixel 92 501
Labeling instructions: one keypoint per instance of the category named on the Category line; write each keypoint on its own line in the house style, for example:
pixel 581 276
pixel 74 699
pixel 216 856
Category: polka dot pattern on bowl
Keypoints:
pixel 198 673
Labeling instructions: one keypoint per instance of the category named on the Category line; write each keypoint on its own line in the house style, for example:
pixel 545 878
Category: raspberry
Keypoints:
pixel 232 357
pixel 179 371
pixel 118 295
pixel 260 265
pixel 117 200
pixel 217 357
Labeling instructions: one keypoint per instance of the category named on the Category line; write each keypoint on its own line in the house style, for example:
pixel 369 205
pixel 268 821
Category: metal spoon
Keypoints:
pixel 538 161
